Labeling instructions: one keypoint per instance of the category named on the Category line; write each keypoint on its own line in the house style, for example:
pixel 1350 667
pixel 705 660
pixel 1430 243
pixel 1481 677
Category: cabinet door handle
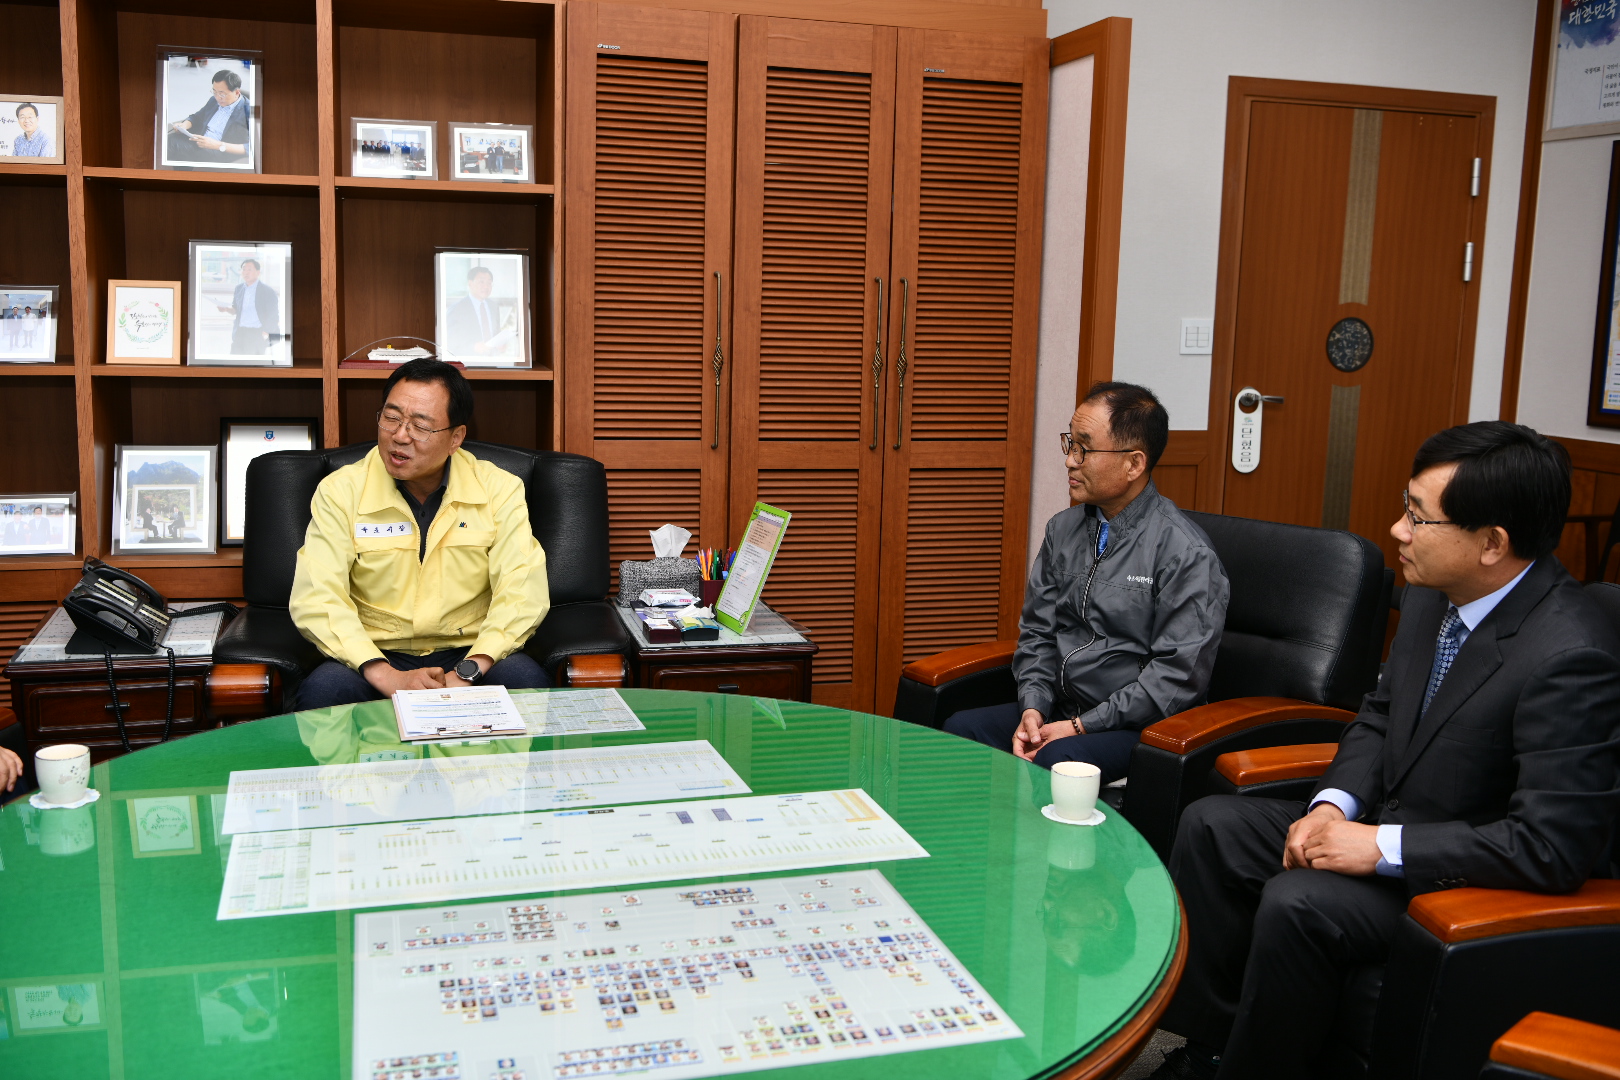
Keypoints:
pixel 900 365
pixel 729 688
pixel 877 369
pixel 719 360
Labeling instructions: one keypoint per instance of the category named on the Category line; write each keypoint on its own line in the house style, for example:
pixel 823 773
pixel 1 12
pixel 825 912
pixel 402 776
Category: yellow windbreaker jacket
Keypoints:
pixel 360 588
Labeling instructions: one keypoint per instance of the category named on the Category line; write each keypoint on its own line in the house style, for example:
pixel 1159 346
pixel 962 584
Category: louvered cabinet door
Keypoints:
pixel 970 147
pixel 815 113
pixel 647 241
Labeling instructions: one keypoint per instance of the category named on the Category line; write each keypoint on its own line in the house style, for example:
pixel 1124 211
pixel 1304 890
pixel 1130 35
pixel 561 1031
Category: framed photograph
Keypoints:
pixel 28 324
pixel 209 102
pixel 44 1010
pixel 398 149
pixel 143 319
pixel 165 825
pixel 163 499
pixel 241 439
pixel 240 303
pixel 30 130
pixel 1603 399
pixel 498 152
pixel 482 303
pixel 37 524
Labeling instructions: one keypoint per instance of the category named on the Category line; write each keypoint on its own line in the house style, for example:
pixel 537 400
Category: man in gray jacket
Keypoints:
pixel 1124 607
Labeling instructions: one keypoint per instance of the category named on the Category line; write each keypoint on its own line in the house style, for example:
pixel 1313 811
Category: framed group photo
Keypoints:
pixel 240 303
pixel 143 319
pixel 241 439
pixel 37 524
pixel 497 152
pixel 395 149
pixel 163 499
pixel 28 324
pixel 481 299
pixel 31 129
pixel 209 102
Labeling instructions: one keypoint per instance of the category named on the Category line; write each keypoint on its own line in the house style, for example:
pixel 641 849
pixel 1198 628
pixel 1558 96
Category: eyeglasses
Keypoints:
pixel 1406 501
pixel 1071 447
pixel 392 422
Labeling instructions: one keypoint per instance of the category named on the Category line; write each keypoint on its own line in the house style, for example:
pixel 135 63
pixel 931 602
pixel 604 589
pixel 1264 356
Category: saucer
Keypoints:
pixel 1049 811
pixel 37 801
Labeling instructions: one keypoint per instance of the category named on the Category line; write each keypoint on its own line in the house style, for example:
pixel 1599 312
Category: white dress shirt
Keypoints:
pixel 1391 863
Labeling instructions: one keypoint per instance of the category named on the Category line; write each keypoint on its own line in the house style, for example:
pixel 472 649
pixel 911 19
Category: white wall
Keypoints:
pixel 1562 310
pixel 1182 52
pixel 1068 153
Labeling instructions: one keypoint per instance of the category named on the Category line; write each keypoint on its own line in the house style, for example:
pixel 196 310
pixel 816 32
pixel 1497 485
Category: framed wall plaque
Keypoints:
pixel 1603 400
pixel 143 322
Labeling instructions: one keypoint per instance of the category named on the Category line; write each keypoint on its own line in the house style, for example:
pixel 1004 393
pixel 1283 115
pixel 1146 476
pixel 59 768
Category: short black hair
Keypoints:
pixel 230 78
pixel 1136 419
pixel 27 105
pixel 432 369
pixel 1507 475
pixel 255 263
pixel 475 271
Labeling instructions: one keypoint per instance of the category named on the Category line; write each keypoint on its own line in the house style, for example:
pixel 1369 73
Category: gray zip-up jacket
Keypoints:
pixel 1157 602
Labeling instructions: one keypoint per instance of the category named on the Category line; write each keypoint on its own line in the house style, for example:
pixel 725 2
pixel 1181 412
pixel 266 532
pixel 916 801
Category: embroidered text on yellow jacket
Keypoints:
pixel 360 587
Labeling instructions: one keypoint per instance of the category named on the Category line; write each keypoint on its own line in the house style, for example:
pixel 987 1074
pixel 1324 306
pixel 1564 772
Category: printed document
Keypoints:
pixel 456 712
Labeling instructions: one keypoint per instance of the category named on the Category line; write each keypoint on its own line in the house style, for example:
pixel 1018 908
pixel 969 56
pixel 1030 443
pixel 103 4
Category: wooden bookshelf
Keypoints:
pixel 362 262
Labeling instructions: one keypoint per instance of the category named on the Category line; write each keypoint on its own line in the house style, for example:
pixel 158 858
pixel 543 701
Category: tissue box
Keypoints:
pixel 638 575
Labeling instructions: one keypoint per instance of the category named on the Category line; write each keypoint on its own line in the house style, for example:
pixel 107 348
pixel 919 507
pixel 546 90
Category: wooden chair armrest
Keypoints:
pixel 1187 731
pixel 597 669
pixel 7 718
pixel 1560 1047
pixel 1454 915
pixel 953 664
pixel 243 691
pixel 1262 765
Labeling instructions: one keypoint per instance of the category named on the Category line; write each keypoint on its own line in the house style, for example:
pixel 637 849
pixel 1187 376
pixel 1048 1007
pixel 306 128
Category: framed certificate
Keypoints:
pixel 241 439
pixel 143 319
pixel 1603 399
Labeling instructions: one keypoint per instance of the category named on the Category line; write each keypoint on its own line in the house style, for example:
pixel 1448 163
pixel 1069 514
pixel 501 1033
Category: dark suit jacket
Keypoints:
pixel 1510 780
pixel 236 128
pixel 464 331
pixel 265 301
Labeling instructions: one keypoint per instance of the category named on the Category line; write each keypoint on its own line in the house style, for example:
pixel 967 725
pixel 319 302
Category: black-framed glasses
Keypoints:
pixel 1070 446
pixel 1406 501
pixel 392 422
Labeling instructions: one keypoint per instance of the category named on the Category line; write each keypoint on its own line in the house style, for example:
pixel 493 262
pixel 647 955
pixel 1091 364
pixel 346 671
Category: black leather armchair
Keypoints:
pixel 567 496
pixel 1303 640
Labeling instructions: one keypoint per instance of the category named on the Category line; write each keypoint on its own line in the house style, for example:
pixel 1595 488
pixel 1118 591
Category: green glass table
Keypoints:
pixel 112 962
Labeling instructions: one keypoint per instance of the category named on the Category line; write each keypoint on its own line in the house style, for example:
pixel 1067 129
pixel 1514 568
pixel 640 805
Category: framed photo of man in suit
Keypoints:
pixel 239 307
pixel 209 102
pixel 482 302
pixel 492 152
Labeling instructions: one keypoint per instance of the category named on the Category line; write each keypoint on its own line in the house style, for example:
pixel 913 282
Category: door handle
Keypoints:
pixel 719 360
pixel 877 369
pixel 1248 409
pixel 900 365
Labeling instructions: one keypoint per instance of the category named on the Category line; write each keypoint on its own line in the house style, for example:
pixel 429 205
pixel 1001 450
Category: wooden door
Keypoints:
pixel 647 244
pixel 970 149
pixel 1353 242
pixel 815 134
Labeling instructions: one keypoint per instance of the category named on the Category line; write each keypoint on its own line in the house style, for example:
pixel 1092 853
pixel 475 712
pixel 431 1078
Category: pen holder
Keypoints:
pixel 710 592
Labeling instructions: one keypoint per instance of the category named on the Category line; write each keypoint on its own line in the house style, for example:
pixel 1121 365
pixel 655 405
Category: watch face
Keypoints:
pixel 468 669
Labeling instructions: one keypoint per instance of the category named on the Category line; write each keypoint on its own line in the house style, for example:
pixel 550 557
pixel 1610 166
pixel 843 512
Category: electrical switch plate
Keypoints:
pixel 1197 337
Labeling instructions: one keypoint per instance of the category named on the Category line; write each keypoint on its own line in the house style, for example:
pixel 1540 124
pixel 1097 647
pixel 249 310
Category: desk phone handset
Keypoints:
pixel 118 608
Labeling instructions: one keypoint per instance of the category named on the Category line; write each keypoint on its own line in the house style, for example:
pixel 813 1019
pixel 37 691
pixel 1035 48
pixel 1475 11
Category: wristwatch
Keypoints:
pixel 469 670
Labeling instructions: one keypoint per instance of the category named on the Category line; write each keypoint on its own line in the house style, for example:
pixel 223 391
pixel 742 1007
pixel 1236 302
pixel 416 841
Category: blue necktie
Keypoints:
pixel 1445 651
pixel 1102 537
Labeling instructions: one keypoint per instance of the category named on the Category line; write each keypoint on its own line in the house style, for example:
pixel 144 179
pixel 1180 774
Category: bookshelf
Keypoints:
pixel 362 247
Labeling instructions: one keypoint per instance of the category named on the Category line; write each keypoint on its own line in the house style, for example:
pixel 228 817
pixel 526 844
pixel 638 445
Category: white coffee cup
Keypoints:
pixel 63 772
pixel 67 832
pixel 1074 789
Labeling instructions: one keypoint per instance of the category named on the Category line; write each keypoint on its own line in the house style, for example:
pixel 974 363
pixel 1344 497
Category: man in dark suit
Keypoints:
pixel 475 319
pixel 218 132
pixel 1485 757
pixel 257 313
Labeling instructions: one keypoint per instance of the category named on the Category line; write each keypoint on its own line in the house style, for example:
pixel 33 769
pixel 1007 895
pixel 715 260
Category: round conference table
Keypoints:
pixel 112 961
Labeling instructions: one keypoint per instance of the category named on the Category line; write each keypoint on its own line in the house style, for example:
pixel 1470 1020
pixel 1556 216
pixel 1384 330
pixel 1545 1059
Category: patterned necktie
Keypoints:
pixel 1445 651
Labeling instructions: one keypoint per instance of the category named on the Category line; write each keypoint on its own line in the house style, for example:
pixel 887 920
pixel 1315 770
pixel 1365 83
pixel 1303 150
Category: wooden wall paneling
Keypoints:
pixel 1596 490
pixel 289 141
pixel 558 80
pixel 90 84
pixel 969 157
pixel 815 136
pixel 648 174
pixel 105 409
pixel 31 51
pixel 991 17
pixel 1178 473
pixel 1535 120
pixel 330 143
pixel 18 621
pixel 37 250
pixel 1108 41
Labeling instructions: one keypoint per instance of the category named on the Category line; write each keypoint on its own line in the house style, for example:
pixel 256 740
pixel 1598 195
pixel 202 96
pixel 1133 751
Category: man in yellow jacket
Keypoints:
pixel 419 568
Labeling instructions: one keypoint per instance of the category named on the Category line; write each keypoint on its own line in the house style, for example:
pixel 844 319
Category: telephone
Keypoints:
pixel 117 608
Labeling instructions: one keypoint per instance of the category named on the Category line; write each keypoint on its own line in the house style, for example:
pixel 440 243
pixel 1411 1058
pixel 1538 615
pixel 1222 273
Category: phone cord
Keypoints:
pixel 118 708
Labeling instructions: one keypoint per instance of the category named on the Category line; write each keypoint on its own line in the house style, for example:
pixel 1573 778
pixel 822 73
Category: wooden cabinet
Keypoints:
pixel 68 701
pixel 871 367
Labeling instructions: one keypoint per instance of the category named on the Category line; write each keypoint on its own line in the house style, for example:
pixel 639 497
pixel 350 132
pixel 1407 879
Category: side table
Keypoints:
pixel 772 665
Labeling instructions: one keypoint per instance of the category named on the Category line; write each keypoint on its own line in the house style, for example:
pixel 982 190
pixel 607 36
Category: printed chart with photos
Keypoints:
pixel 679 982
